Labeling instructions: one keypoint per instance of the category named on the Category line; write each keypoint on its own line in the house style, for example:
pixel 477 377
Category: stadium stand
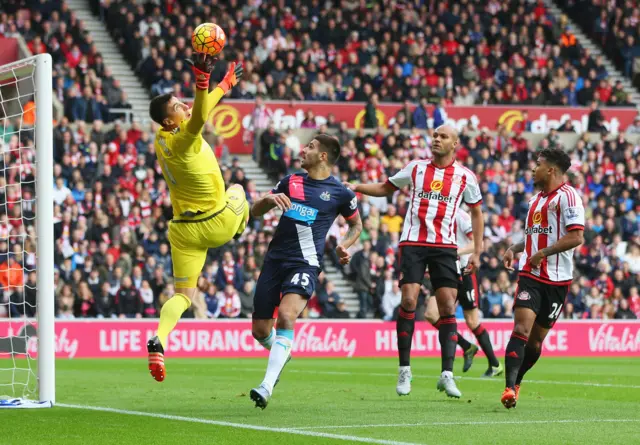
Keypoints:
pixel 82 82
pixel 614 26
pixel 507 52
pixel 112 204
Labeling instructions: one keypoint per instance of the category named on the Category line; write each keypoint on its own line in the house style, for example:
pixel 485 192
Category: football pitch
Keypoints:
pixel 330 401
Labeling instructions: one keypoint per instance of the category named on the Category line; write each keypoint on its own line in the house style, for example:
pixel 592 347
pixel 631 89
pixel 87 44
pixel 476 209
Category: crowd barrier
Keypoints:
pixel 313 338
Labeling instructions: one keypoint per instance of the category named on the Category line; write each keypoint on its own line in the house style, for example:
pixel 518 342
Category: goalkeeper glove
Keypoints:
pixel 232 77
pixel 202 68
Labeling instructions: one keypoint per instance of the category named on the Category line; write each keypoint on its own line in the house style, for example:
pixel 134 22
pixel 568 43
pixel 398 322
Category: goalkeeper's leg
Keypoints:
pixel 187 265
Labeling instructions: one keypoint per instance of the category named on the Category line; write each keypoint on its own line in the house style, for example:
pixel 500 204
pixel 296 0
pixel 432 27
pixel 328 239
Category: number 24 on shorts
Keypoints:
pixel 302 278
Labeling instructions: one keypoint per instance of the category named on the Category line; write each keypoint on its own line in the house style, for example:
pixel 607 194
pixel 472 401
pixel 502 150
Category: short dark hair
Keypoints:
pixel 330 145
pixel 158 107
pixel 557 157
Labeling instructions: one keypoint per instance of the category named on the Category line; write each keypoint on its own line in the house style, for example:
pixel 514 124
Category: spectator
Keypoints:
pixel 130 304
pixel 391 297
pixel 361 263
pixel 229 302
pixel 212 301
pixel 329 299
pixel 624 312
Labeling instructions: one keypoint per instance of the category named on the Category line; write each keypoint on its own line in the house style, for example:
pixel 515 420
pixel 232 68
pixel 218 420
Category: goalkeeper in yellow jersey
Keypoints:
pixel 205 215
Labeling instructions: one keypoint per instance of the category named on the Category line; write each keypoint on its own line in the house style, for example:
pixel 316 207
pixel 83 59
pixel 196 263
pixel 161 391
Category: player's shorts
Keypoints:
pixel 277 280
pixel 468 292
pixel 546 300
pixel 191 238
pixel 442 262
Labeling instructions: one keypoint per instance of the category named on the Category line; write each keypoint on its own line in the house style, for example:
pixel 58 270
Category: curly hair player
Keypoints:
pixel 204 214
pixel 553 229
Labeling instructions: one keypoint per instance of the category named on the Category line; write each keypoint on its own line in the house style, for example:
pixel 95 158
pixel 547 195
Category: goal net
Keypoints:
pixel 27 355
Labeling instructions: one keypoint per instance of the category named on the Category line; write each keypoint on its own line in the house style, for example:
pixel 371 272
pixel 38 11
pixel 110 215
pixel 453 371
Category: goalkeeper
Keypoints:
pixel 204 214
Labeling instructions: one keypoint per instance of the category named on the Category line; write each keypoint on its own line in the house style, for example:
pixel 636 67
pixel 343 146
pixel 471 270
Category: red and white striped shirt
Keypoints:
pixel 550 217
pixel 435 198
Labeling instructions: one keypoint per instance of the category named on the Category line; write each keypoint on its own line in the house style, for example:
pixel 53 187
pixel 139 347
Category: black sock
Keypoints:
pixel 462 342
pixel 404 328
pixel 448 337
pixel 513 357
pixel 485 343
pixel 531 356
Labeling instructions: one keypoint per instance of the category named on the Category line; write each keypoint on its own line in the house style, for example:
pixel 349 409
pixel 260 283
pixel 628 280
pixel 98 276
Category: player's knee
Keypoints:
pixel 409 299
pixel 471 318
pixel 409 302
pixel 260 331
pixel 522 329
pixel 286 318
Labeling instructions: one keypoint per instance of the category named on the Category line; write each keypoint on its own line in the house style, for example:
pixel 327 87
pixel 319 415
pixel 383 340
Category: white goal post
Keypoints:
pixel 26 220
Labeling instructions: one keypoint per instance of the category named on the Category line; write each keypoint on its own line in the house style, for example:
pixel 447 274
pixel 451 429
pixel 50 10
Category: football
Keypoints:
pixel 208 38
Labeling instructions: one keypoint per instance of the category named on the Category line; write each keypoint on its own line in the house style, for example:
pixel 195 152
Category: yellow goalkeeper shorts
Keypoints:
pixel 191 238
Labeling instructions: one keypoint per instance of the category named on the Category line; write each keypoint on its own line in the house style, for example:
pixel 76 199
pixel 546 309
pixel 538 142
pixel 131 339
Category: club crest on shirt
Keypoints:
pixel 325 196
pixel 524 296
pixel 552 206
pixel 457 179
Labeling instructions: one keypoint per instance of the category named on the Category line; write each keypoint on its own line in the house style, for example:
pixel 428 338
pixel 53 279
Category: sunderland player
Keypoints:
pixel 468 299
pixel 428 239
pixel 204 214
pixel 310 202
pixel 553 229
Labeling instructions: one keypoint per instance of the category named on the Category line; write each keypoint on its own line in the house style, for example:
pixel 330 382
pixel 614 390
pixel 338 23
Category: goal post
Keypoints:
pixel 26 221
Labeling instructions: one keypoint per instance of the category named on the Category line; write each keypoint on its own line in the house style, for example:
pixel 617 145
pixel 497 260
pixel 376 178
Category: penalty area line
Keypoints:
pixel 469 423
pixel 245 426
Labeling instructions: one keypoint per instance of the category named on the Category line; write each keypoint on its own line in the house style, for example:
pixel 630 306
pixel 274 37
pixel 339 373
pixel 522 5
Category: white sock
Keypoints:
pixel 267 342
pixel 402 368
pixel 280 352
pixel 447 374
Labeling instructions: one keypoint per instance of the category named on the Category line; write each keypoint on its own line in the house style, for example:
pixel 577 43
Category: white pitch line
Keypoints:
pixel 237 425
pixel 461 378
pixel 473 423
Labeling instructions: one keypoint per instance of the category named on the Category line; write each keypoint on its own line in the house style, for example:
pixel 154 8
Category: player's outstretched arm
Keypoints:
pixel 201 67
pixel 231 79
pixel 352 235
pixel 377 189
pixel 267 202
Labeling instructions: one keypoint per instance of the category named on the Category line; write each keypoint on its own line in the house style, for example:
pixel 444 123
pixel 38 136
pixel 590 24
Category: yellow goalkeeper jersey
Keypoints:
pixel 191 170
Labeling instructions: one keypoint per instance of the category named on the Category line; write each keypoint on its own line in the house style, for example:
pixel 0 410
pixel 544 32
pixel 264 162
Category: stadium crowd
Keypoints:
pixel 112 205
pixel 613 25
pixel 81 80
pixel 465 53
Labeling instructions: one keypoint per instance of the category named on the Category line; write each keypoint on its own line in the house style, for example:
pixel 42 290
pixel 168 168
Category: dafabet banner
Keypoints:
pixel 233 119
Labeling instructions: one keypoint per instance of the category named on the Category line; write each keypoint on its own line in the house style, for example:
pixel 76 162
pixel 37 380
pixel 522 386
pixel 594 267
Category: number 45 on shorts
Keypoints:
pixel 302 278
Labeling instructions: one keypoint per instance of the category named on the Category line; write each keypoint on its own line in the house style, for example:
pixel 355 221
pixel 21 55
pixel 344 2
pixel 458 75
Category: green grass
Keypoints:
pixel 329 393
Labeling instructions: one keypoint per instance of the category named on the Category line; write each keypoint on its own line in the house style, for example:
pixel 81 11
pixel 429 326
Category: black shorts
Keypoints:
pixel 442 262
pixel 468 292
pixel 276 280
pixel 546 300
